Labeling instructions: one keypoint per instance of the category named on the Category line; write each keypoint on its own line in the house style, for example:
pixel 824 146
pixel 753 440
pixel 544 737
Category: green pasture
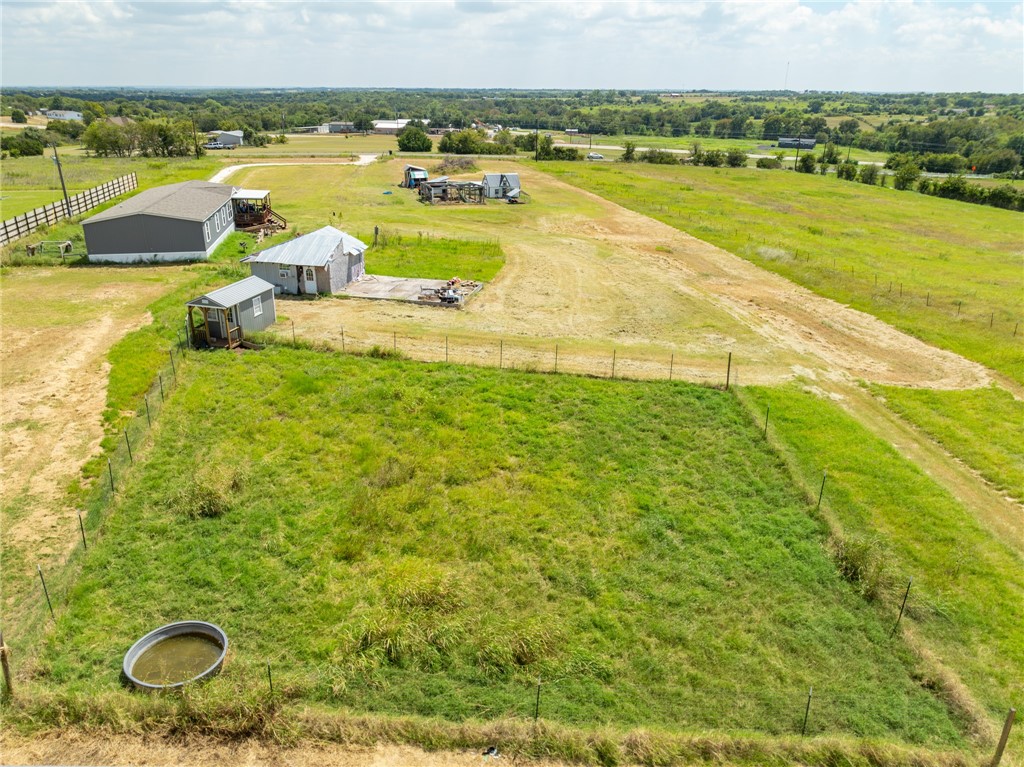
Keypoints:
pixel 967 599
pixel 428 540
pixel 982 427
pixel 314 145
pixel 30 182
pixel 941 270
pixel 434 258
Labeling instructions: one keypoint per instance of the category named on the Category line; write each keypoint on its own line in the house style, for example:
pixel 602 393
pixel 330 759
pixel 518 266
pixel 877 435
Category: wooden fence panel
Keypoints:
pixel 15 228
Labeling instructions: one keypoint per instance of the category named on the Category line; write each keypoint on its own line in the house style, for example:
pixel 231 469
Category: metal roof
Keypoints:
pixel 313 249
pixel 237 133
pixel 495 178
pixel 188 200
pixel 250 194
pixel 233 294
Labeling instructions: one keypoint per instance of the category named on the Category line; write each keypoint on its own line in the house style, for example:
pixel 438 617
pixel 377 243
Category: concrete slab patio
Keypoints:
pixel 399 288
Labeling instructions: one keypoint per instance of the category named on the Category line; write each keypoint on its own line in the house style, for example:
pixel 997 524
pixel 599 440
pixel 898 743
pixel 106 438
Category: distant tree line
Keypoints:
pixel 984 129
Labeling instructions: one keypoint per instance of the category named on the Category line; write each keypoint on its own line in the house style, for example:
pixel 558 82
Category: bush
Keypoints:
pixel 806 163
pixel 17 116
pixel 712 158
pixel 658 157
pixel 906 177
pixel 772 163
pixel 847 171
pixel 413 139
pixel 868 174
pixel 629 155
pixel 736 158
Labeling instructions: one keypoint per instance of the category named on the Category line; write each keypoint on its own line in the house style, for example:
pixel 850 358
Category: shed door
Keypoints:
pixel 310 286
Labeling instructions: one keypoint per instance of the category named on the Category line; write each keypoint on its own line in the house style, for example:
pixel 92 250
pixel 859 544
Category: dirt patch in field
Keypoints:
pixel 620 282
pixel 70 748
pixel 57 327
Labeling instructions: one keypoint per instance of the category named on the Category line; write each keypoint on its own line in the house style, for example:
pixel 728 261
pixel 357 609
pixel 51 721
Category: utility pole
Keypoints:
pixel 536 136
pixel 60 172
pixel 797 161
pixel 195 136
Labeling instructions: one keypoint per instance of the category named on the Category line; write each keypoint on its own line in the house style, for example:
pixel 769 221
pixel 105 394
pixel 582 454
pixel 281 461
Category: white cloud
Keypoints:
pixel 738 44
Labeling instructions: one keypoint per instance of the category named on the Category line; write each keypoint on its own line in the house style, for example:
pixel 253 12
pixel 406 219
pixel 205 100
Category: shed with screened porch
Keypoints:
pixel 223 317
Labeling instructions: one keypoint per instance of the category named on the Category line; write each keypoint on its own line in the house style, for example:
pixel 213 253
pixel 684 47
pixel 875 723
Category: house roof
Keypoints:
pixel 228 133
pixel 187 200
pixel 313 249
pixel 494 179
pixel 233 294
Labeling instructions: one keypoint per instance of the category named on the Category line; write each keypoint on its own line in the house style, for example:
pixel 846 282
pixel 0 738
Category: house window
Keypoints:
pixel 257 307
pixel 206 230
pixel 284 272
pixel 216 220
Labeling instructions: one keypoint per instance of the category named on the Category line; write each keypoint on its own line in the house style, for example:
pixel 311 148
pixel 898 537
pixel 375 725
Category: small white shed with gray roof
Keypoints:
pixel 223 316
pixel 177 222
pixel 323 261
pixel 500 185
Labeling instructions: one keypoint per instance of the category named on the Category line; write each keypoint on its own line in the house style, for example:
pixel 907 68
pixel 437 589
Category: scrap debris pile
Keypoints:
pixel 454 292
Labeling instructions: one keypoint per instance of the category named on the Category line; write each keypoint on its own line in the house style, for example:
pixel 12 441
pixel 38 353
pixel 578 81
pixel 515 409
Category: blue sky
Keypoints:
pixel 898 45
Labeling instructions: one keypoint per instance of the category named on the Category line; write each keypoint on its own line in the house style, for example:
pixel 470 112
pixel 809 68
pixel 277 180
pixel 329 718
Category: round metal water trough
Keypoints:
pixel 197 633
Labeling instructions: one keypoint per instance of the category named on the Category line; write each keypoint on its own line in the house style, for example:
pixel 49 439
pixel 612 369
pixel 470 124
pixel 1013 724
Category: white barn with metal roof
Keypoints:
pixel 323 261
pixel 177 222
pixel 223 316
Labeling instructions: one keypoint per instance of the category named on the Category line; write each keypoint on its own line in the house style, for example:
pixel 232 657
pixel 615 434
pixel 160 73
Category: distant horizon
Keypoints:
pixel 660 91
pixel 846 46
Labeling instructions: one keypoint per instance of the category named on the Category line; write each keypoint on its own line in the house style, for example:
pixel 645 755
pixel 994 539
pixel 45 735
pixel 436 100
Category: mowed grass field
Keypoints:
pixel 421 539
pixel 958 265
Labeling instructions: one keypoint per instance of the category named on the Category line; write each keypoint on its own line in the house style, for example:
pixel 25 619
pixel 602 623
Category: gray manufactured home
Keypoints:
pixel 324 261
pixel 224 316
pixel 177 222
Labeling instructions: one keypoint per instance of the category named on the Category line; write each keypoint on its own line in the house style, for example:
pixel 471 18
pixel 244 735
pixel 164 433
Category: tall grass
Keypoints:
pixel 967 602
pixel 982 427
pixel 411 539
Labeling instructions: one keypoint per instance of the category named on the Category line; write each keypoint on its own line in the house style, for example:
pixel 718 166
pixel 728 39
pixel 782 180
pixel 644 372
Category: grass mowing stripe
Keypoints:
pixel 981 427
pixel 968 596
pixel 418 539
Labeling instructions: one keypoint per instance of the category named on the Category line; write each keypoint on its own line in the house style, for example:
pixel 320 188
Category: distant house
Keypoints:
pixel 500 185
pixel 177 222
pixel 323 261
pixel 222 317
pixel 797 143
pixel 121 122
pixel 62 114
pixel 340 127
pixel 227 137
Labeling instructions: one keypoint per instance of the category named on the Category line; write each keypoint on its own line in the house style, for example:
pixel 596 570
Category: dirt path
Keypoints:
pixel 71 748
pixel 57 326
pixel 614 279
pixel 1001 515
pixel 225 173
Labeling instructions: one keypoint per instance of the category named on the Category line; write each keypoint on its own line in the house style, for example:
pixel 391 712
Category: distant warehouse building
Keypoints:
pixel 177 222
pixel 63 114
pixel 796 143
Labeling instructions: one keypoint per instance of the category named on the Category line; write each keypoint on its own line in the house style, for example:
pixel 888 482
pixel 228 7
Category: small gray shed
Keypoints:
pixel 323 261
pixel 177 222
pixel 228 313
pixel 498 185
pixel 228 137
